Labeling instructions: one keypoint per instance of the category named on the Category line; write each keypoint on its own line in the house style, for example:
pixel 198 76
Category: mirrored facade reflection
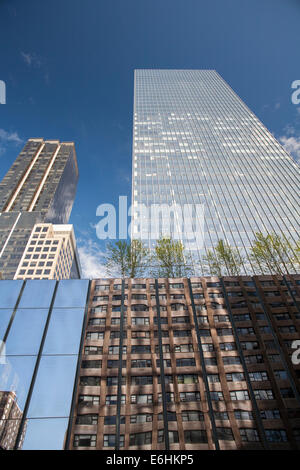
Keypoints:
pixel 41 325
pixel 39 188
pixel 195 142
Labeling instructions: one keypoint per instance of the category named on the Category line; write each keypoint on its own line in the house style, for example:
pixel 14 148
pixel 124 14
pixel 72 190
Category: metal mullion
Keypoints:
pixel 75 388
pixel 209 401
pixel 162 369
pixel 241 354
pixel 119 392
pixel 35 372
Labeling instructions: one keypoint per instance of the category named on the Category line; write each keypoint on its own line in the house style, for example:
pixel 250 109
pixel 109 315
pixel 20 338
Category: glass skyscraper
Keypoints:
pixel 196 143
pixel 39 187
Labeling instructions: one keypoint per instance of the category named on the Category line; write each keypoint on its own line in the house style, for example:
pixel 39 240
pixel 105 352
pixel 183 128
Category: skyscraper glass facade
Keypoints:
pixel 195 142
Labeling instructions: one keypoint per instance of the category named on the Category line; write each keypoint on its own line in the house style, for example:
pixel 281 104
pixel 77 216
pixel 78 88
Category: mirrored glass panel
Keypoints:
pixel 9 291
pixel 45 434
pixel 71 293
pixel 5 316
pixel 53 388
pixel 26 332
pixel 37 294
pixel 64 332
pixel 16 375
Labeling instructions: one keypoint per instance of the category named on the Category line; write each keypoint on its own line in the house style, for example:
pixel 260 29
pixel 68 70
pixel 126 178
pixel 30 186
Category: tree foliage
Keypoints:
pixel 126 259
pixel 224 260
pixel 273 253
pixel 170 259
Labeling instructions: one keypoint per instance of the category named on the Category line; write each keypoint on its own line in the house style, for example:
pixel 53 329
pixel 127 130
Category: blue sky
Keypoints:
pixel 68 67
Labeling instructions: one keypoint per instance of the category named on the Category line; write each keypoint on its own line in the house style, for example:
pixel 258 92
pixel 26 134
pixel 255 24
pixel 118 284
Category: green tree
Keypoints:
pixel 126 259
pixel 170 259
pixel 224 260
pixel 272 253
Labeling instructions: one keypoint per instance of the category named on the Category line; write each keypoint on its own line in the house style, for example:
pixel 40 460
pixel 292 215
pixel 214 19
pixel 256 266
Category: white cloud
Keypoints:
pixel 31 59
pixel 7 138
pixel 91 259
pixel 291 145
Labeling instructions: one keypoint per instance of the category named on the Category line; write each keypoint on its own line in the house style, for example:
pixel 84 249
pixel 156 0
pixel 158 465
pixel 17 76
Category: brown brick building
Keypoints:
pixel 206 362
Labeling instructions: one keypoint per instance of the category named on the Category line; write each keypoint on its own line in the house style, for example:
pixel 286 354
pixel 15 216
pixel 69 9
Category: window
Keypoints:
pixel 196 285
pixel 176 307
pixel 185 362
pixel 195 436
pixel 235 377
pixel 227 346
pixel 89 380
pixel 141 418
pixel 173 436
pixel 231 360
pixel 140 334
pixel 165 348
pixel 243 415
pixel 178 285
pixel 112 363
pixel 140 321
pixel 183 347
pixel 85 440
pixel 113 399
pixel 166 362
pixel 138 286
pixel 221 415
pixel 239 395
pixel 102 287
pixel 182 333
pixel 88 400
pixel 263 394
pixel 141 438
pixel 258 376
pixel 276 435
pixel 171 416
pixel 88 419
pixel 202 319
pixel 245 331
pixel 116 334
pixel 113 380
pixel 185 319
pixel 94 335
pixel 249 435
pixel 187 379
pixel 95 364
pixel 139 363
pixel 224 331
pixel 208 347
pixel 163 320
pixel 280 374
pixel 168 395
pixel 224 434
pixel 138 296
pixel 221 318
pixel 141 399
pixel 141 380
pixel 96 321
pixel 112 420
pixel 287 393
pixel 189 396
pixel 249 345
pixel 109 440
pixel 210 361
pixel 213 378
pixel 140 349
pixel 254 359
pixel 191 415
pixel 270 414
pixel 99 309
pixel 139 308
pixel 89 350
pixel 115 350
